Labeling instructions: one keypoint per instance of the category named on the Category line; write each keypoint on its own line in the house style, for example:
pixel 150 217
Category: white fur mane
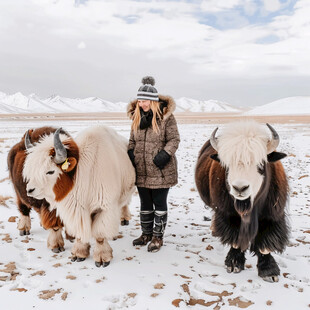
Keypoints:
pixel 243 143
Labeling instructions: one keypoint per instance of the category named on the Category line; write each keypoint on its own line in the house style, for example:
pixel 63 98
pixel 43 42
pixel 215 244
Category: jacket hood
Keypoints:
pixel 167 102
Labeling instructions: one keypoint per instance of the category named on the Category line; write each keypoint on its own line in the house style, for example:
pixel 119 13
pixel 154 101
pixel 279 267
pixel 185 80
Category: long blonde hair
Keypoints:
pixel 156 114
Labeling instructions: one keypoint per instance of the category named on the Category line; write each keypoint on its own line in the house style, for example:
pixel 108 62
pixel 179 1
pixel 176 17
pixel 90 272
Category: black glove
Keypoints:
pixel 146 118
pixel 131 156
pixel 161 159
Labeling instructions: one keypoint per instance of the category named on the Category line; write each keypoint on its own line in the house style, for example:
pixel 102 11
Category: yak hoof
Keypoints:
pixel 235 260
pixel 271 279
pixel 24 232
pixel 237 269
pixel 98 264
pixel 80 259
pixel 105 264
pixel 268 268
pixel 57 250
pixel 124 222
pixel 73 259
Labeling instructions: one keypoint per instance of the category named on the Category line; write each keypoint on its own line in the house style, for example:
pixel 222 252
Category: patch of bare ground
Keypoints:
pixel 7 238
pixel 49 294
pixel 10 268
pixel 12 219
pixel 240 303
pixel 194 301
pixel 3 200
pixel 38 273
pixel 159 286
pixel 19 289
pixel 71 277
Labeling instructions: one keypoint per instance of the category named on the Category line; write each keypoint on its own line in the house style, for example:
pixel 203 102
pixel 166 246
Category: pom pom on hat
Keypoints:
pixel 148 80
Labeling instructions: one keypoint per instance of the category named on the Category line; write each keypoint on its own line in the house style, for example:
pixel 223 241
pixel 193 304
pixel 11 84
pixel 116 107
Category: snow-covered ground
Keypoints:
pixel 188 272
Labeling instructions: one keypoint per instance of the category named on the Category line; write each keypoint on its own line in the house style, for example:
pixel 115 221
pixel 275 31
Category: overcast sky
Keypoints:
pixel 244 52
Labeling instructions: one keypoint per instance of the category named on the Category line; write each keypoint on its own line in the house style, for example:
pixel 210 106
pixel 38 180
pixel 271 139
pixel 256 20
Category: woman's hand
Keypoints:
pixel 161 159
pixel 132 156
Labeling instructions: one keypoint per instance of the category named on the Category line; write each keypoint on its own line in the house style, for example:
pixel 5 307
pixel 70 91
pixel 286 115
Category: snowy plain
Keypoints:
pixel 187 273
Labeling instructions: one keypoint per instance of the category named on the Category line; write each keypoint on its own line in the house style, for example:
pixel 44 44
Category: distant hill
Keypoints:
pixel 285 106
pixel 210 106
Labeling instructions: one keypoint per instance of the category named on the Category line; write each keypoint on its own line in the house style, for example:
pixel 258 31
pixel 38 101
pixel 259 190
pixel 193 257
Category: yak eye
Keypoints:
pixel 261 169
pixel 50 172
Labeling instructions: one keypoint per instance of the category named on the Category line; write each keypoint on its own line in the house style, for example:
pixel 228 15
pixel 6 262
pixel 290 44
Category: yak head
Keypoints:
pixel 245 149
pixel 50 166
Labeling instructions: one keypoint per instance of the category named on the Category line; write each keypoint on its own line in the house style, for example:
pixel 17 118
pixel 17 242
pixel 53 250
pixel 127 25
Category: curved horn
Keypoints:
pixel 28 143
pixel 60 150
pixel 275 140
pixel 213 139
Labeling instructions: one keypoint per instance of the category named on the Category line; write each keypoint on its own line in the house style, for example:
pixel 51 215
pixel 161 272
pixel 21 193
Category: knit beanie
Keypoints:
pixel 147 91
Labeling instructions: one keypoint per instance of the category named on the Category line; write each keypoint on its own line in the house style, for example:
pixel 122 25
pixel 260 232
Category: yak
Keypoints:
pixel 238 174
pixel 88 180
pixel 49 220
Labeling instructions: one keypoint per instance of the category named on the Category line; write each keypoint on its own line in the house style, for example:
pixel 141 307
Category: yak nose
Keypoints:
pixel 29 191
pixel 240 189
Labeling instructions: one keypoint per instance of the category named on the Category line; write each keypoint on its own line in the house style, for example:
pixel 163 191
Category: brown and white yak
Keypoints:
pixel 89 180
pixel 239 175
pixel 49 220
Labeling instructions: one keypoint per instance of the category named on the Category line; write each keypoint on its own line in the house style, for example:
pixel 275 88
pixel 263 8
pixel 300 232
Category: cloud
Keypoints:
pixel 200 40
pixel 272 5
pixel 81 45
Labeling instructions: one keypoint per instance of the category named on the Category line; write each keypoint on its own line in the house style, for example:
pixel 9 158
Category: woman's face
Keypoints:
pixel 145 105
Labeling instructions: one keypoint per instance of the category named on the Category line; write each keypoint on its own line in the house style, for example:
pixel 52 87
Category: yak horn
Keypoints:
pixel 60 150
pixel 213 139
pixel 275 140
pixel 28 143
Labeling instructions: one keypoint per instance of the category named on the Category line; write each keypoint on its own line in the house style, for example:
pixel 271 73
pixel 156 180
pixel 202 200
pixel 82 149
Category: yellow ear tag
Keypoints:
pixel 65 165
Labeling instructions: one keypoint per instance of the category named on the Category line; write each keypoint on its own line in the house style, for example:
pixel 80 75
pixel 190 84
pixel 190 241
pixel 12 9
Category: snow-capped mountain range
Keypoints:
pixel 19 103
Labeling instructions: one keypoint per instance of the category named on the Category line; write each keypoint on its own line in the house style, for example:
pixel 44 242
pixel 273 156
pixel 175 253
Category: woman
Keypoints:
pixel 154 139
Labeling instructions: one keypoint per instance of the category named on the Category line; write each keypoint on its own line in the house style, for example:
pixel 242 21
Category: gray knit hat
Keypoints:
pixel 147 91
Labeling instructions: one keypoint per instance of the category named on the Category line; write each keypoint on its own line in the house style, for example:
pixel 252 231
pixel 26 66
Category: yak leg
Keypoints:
pixel 80 251
pixel 125 216
pixel 272 236
pixel 235 260
pixel 24 223
pixel 55 241
pixel 51 222
pixel 102 252
pixel 227 229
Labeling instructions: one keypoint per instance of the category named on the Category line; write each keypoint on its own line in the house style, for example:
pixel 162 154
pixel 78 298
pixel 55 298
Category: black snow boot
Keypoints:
pixel 158 231
pixel 147 223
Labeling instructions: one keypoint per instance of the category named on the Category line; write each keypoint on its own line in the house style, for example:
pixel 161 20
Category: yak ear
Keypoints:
pixel 69 164
pixel 215 157
pixel 275 156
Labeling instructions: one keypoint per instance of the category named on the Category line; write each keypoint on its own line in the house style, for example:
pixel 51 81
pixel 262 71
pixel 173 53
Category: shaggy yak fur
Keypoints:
pixel 89 180
pixel 259 222
pixel 49 220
